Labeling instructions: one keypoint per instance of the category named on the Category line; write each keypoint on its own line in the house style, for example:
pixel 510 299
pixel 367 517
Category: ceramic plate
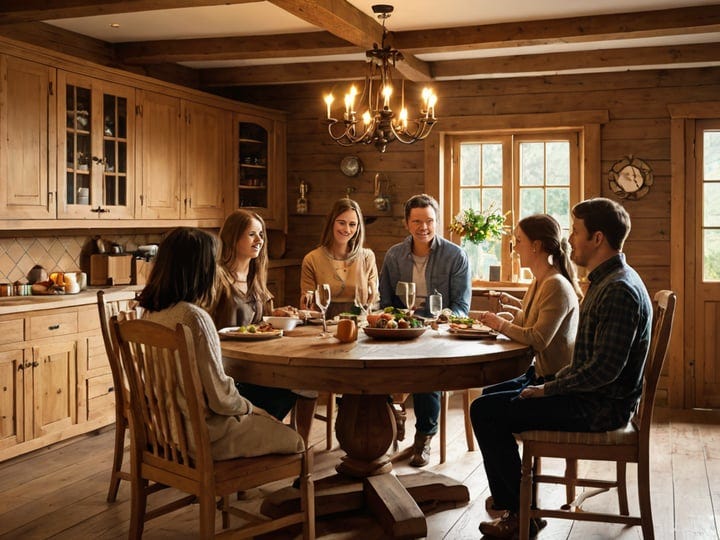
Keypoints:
pixel 232 333
pixel 473 333
pixel 394 333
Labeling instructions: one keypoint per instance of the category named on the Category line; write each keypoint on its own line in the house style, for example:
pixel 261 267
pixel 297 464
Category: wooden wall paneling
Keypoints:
pixel 636 121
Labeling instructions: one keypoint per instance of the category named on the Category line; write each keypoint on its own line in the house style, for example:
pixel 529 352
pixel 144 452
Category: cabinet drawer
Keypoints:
pixel 11 330
pixel 97 355
pixel 88 319
pixel 53 324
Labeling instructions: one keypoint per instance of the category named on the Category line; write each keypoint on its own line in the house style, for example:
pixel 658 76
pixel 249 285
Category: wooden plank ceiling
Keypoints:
pixel 347 30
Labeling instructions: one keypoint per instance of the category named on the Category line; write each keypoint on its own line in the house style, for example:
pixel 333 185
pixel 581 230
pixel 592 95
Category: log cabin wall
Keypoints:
pixel 639 124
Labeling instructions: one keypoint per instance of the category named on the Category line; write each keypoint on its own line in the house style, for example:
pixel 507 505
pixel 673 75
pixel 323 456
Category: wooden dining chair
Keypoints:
pixel 106 311
pixel 173 447
pixel 629 444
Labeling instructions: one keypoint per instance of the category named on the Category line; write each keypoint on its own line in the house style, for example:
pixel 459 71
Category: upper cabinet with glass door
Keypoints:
pixel 96 145
pixel 261 168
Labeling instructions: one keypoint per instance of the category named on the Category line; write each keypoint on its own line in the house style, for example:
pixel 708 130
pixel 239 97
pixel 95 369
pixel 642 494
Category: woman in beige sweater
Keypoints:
pixel 341 260
pixel 547 317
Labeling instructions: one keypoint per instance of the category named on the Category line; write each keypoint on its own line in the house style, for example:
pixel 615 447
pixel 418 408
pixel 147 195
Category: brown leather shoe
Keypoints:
pixel 421 450
pixel 508 526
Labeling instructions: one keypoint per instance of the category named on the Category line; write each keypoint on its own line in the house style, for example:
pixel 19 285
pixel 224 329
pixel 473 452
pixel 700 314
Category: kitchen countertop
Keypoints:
pixel 22 304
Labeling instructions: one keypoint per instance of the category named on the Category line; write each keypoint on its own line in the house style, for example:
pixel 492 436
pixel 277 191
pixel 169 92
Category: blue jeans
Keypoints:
pixel 497 415
pixel 427 411
pixel 518 383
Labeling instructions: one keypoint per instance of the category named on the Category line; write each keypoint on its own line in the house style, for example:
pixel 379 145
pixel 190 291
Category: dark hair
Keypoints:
pixel 545 229
pixel 421 201
pixel 355 244
pixel 184 270
pixel 233 228
pixel 606 216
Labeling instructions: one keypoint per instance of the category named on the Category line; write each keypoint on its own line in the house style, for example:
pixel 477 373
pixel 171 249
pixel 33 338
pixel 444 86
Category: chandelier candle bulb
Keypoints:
pixel 329 98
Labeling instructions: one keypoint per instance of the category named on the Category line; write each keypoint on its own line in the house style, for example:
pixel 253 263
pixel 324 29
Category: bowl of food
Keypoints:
pixel 282 323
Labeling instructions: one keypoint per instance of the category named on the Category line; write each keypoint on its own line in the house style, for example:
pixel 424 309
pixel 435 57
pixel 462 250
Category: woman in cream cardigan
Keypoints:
pixel 547 317
pixel 341 260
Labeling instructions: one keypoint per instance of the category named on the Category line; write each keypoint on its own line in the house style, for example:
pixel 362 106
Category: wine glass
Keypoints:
pixel 409 296
pixel 435 306
pixel 322 299
pixel 364 301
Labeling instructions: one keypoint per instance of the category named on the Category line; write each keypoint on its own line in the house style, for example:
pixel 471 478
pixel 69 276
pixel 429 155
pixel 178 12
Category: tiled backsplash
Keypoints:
pixel 58 253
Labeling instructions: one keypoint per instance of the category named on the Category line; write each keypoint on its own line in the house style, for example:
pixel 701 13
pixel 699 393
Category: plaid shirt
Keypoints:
pixel 612 343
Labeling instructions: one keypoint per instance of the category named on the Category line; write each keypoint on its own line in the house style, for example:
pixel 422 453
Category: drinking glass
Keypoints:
pixel 408 295
pixel 364 298
pixel 435 306
pixel 322 299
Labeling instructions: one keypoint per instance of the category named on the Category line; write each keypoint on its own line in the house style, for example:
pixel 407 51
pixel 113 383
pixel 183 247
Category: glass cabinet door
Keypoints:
pixel 78 145
pixel 99 130
pixel 253 165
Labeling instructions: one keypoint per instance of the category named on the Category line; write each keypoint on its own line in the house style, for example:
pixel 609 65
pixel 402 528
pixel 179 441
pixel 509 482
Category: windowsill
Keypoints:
pixel 482 286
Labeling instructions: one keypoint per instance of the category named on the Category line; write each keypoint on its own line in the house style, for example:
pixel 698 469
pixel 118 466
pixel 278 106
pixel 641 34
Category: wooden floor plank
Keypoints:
pixel 60 492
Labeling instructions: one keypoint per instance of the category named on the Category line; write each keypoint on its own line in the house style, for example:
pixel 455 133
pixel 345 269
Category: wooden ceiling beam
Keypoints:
pixel 282 74
pixel 349 23
pixel 14 11
pixel 234 48
pixel 579 60
pixel 669 22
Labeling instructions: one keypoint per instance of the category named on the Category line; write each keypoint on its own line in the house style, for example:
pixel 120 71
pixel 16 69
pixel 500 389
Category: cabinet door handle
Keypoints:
pixel 54 327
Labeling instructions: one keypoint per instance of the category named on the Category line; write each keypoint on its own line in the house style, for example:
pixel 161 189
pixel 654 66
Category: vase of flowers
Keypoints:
pixel 479 230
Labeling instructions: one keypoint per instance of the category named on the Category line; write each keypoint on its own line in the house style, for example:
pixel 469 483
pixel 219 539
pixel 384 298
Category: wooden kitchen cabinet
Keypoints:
pixel 183 158
pixel 261 170
pixel 27 117
pixel 55 379
pixel 12 410
pixel 96 147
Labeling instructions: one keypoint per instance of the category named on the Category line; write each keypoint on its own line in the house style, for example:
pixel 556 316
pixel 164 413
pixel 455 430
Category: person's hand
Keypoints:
pixel 488 318
pixel 533 392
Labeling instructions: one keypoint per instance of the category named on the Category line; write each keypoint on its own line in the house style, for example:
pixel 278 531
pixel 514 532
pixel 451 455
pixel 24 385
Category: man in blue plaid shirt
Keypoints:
pixel 599 390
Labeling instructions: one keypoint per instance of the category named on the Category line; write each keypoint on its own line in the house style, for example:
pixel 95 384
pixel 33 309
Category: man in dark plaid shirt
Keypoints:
pixel 599 390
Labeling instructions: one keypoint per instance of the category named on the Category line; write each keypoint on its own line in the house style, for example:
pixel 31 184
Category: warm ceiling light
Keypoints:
pixel 380 125
pixel 115 25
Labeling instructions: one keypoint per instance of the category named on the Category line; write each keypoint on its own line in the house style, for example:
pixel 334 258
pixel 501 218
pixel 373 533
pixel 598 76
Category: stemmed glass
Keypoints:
pixel 407 293
pixel 364 301
pixel 322 299
pixel 435 306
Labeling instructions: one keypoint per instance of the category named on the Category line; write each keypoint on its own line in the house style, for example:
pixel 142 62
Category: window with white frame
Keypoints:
pixel 519 174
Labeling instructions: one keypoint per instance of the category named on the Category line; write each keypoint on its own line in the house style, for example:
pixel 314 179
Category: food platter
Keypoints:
pixel 232 333
pixel 394 333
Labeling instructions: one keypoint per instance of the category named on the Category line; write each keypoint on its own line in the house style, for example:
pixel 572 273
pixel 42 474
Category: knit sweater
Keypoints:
pixel 548 323
pixel 236 428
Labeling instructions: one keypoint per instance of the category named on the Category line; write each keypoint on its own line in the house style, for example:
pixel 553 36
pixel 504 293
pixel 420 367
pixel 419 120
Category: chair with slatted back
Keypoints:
pixel 629 444
pixel 106 311
pixel 173 447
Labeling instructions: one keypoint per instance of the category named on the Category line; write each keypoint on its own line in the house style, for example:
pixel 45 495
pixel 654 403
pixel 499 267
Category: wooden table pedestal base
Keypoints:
pixel 395 501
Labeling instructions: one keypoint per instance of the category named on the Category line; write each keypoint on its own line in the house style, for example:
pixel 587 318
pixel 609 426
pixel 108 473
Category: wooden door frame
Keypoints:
pixel 681 354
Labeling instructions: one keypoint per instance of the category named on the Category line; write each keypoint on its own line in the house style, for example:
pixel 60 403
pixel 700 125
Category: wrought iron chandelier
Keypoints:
pixel 379 125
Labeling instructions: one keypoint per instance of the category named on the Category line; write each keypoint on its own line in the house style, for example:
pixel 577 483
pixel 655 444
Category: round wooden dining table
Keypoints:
pixel 365 372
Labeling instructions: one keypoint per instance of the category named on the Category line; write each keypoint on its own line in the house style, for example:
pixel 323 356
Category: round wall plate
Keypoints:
pixel 351 166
